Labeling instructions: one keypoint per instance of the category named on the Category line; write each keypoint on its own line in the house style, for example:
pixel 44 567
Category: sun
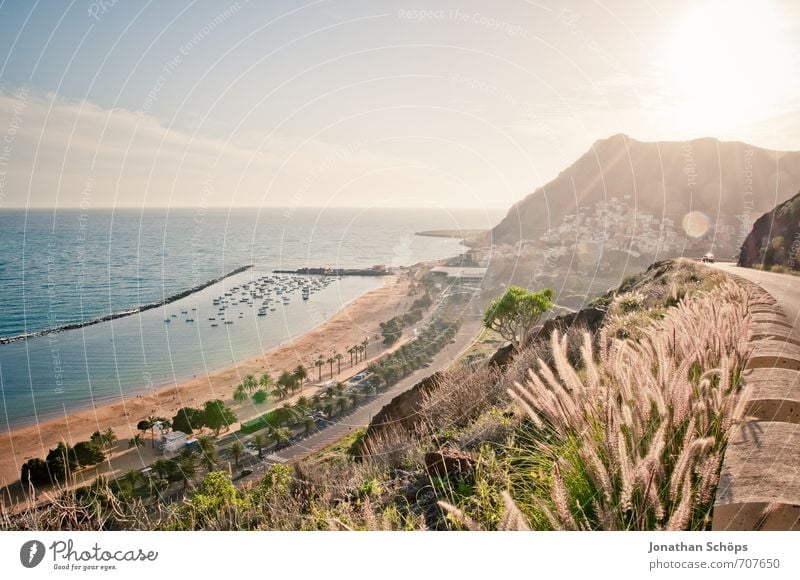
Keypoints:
pixel 728 64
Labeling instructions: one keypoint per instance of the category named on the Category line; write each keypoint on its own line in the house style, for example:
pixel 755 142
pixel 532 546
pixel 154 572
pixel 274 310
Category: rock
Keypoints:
pixel 448 463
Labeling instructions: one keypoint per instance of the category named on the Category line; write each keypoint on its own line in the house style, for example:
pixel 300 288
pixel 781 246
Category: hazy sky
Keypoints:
pixel 363 103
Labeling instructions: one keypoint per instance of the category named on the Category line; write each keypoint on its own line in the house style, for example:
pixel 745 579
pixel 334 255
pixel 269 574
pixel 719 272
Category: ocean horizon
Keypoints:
pixel 67 267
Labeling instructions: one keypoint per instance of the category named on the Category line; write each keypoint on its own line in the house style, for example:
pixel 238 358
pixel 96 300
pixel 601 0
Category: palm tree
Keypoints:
pixel 341 403
pixel 280 435
pixel 187 466
pixel 249 383
pixel 240 394
pixel 286 381
pixel 364 344
pixel 260 441
pixel 281 390
pixel 265 381
pixel 302 405
pixel 330 361
pixel 319 363
pixel 208 452
pixel 129 482
pixel 145 425
pixel 237 450
pixel 355 396
pixel 339 388
pixel 301 374
pixel 162 467
pixel 328 408
pixel 309 424
pixel 338 356
pixel 350 351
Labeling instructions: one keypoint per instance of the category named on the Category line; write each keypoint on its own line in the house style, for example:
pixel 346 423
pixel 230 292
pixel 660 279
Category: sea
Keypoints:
pixel 67 267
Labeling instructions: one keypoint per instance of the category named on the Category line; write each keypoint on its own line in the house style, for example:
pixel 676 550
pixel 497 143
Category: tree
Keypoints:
pixel 260 441
pixel 319 363
pixel 237 450
pixel 280 435
pixel 208 451
pixel 265 382
pixel 309 424
pixel 188 419
pixel 350 351
pixel 515 314
pixel 217 414
pixel 240 394
pixel 364 343
pixel 338 356
pixel 187 467
pixel 163 467
pixel 105 439
pixel 35 472
pixel 61 461
pixel 135 441
pixel 150 424
pixel 300 374
pixel 144 425
pixel 285 382
pixel 88 453
pixel 214 494
pixel 127 484
pixel 330 361
pixel 249 383
pixel 260 396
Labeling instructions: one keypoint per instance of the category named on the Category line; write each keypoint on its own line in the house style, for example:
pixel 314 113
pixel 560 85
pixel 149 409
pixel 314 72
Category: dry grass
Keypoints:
pixel 634 438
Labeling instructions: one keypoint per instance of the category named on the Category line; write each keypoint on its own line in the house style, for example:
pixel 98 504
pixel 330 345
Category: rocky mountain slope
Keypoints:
pixel 653 200
pixel 775 238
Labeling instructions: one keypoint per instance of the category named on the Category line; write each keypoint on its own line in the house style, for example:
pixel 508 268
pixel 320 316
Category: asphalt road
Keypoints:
pixel 785 288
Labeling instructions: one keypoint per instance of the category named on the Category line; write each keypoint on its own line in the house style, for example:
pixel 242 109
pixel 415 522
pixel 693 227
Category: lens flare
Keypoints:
pixel 696 224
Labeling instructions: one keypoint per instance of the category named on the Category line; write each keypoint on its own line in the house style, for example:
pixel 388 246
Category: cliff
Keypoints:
pixel 775 238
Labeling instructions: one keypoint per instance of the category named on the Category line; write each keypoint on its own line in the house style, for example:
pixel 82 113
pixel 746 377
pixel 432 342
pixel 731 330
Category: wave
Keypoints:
pixel 123 313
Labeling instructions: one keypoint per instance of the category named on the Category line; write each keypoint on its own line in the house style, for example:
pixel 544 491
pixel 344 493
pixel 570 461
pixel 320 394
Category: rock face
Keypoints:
pixel 775 238
pixel 720 186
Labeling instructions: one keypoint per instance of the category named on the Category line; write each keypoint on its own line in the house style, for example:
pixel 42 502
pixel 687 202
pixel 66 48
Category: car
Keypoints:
pixel 709 257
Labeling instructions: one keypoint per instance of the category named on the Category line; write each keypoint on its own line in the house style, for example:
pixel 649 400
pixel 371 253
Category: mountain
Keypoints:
pixel 775 238
pixel 652 200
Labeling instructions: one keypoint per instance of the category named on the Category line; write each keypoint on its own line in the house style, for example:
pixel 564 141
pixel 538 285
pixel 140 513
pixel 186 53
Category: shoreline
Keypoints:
pixel 348 325
pixel 155 387
pixel 124 313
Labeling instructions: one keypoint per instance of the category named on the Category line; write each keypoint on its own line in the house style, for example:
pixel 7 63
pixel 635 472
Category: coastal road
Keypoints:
pixel 785 288
pixel 361 415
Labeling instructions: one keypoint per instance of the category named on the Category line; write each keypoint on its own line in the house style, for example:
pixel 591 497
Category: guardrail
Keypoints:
pixel 759 486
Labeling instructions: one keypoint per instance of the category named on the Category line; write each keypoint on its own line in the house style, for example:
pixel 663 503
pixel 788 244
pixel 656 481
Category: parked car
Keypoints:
pixel 708 258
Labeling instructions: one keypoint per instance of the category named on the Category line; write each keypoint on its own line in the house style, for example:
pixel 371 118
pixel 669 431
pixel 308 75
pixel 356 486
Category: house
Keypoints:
pixel 172 443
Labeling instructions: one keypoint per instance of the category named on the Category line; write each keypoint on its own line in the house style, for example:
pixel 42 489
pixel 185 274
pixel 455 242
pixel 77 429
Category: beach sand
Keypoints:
pixel 347 327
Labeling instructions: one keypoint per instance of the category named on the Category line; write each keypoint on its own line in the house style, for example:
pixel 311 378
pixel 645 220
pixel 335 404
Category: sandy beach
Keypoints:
pixel 348 326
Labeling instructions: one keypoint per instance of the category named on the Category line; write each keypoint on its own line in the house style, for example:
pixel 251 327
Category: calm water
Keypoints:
pixel 72 266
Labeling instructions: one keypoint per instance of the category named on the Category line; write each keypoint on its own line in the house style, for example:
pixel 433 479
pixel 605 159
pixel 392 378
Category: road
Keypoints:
pixel 785 288
pixel 361 415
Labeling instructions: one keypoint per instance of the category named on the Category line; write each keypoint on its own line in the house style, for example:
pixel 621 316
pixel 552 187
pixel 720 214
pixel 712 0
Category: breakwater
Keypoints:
pixel 123 313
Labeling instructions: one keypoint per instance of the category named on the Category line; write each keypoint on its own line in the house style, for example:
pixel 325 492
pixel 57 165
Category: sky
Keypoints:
pixel 370 103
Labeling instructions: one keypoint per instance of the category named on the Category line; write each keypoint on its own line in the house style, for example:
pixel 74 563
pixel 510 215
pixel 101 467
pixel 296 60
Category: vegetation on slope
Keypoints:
pixel 619 426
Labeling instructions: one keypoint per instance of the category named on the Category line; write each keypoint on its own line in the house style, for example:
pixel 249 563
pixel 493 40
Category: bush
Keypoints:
pixel 36 472
pixel 260 396
pixel 88 453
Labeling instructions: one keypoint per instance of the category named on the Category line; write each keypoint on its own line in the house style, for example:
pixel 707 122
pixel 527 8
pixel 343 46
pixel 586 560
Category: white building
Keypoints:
pixel 172 443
